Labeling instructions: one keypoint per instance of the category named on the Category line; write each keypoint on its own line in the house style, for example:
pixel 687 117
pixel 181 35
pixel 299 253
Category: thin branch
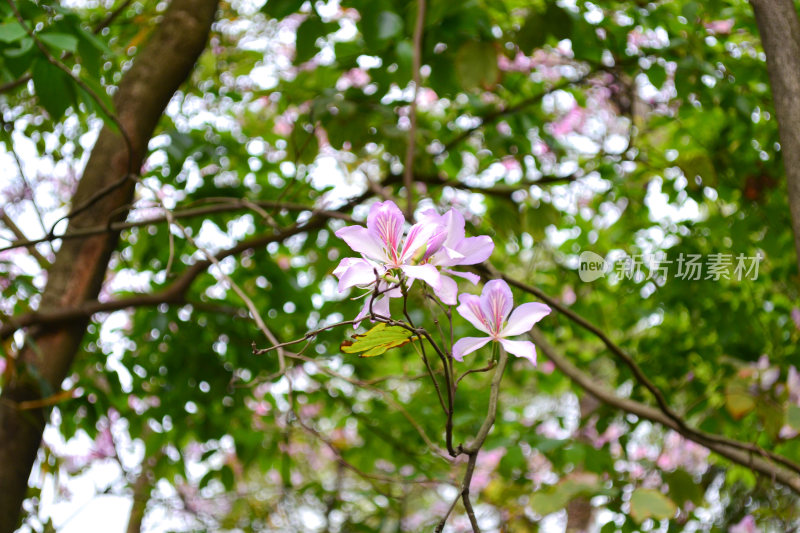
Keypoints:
pixel 233 205
pixel 174 294
pixel 385 394
pixel 749 459
pixel 307 336
pixel 9 223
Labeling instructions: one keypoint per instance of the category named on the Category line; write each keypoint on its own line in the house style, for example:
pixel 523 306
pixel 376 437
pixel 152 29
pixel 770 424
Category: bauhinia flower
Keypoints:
pixel 456 249
pixel 490 314
pixel 385 253
pixel 384 249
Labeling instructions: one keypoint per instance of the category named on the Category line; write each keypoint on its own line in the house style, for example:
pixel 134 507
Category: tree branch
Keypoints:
pixel 749 459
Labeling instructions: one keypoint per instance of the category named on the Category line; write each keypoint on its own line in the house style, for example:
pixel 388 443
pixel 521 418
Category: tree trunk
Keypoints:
pixel 80 266
pixel 779 28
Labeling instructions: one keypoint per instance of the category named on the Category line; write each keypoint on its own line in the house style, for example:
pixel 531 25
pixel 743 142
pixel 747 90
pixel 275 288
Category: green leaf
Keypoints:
pixel 657 75
pixel 53 88
pixel 11 32
pixel 537 26
pixel 307 34
pixel 89 37
pixel 280 8
pixel 793 416
pixel 682 487
pixel 379 25
pixel 476 65
pixel 559 495
pixel 558 22
pixel 649 503
pixel 533 33
pixel 377 340
pixel 25 45
pixel 389 24
pixel 60 41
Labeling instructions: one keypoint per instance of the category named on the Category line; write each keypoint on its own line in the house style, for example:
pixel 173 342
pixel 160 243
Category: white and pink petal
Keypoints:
pixel 496 303
pixel 471 310
pixel 467 345
pixel 361 240
pixel 524 349
pixel 523 318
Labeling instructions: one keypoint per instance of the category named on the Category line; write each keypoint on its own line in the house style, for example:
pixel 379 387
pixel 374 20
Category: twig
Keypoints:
pixel 233 205
pixel 9 222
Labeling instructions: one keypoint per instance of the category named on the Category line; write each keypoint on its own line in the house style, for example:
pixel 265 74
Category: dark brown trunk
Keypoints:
pixel 80 266
pixel 779 28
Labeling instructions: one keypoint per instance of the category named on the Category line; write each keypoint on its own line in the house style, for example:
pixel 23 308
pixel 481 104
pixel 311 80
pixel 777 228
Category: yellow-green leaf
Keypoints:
pixel 377 340
pixel 649 503
pixel 738 399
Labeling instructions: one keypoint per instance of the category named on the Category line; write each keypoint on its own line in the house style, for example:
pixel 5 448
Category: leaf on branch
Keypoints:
pixel 377 340
pixel 557 497
pixel 649 503
pixel 11 31
pixel 738 399
pixel 60 41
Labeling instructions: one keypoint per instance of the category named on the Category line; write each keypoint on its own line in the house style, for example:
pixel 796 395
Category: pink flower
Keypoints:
pixel 385 251
pixel 745 525
pixel 490 314
pixel 720 27
pixel 456 249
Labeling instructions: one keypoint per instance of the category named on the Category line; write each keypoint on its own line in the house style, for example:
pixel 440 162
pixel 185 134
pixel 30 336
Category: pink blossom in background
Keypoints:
pixel 491 314
pixel 571 122
pixel 547 367
pixel 795 314
pixel 767 375
pixel 426 98
pixel 357 78
pixel 720 27
pixel 283 126
pixel 679 452
pixel 486 463
pixel 745 525
pixel 520 63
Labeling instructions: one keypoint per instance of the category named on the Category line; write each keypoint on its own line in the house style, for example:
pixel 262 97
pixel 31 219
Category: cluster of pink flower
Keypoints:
pixel 428 252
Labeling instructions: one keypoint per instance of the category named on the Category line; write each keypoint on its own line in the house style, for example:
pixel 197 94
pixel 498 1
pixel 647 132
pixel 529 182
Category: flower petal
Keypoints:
pixel 448 292
pixel 421 236
pixel 469 276
pixel 475 250
pixel 468 345
pixel 523 318
pixel 470 309
pixel 524 349
pixel 454 222
pixel 385 221
pixel 361 240
pixel 426 273
pixel 496 302
pixel 353 271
